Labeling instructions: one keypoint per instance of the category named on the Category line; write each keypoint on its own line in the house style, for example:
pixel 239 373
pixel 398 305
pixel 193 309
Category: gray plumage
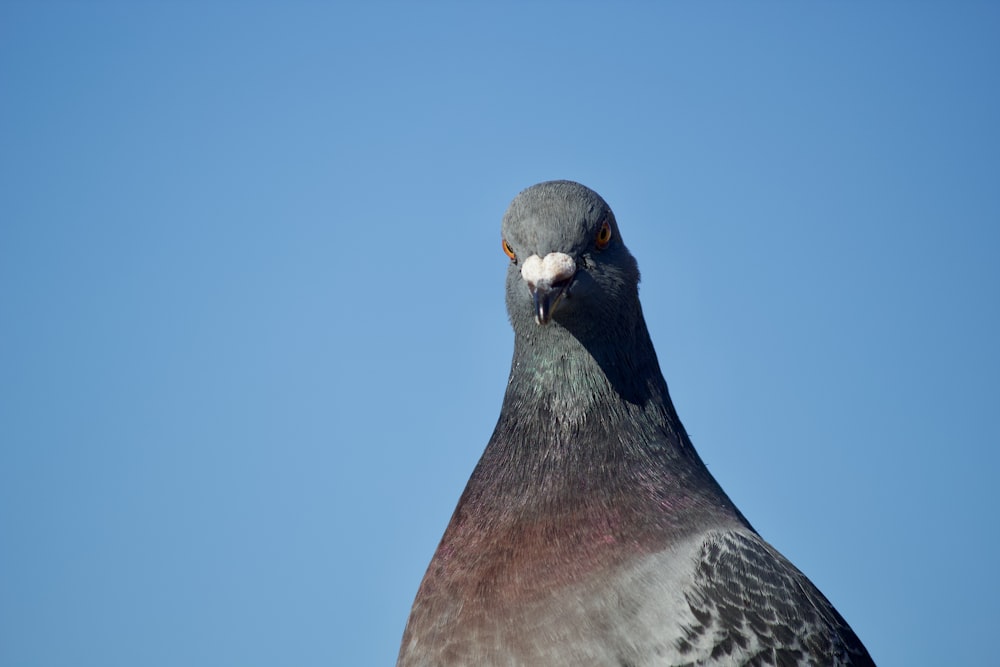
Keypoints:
pixel 590 532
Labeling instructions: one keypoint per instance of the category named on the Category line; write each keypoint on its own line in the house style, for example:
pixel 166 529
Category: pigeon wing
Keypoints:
pixel 753 607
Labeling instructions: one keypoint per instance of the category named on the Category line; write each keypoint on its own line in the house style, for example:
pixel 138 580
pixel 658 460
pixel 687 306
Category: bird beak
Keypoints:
pixel 546 298
pixel 548 280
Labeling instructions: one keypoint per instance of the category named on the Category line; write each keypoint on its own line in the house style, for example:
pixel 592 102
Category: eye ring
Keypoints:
pixel 603 236
pixel 507 250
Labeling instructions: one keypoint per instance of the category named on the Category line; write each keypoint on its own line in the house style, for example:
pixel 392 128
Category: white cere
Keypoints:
pixel 555 267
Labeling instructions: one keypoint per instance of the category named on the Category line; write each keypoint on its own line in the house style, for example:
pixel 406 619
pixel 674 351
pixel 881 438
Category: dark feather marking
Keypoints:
pixel 744 590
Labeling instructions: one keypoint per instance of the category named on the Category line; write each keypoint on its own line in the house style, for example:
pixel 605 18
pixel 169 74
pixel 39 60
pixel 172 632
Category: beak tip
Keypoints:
pixel 545 303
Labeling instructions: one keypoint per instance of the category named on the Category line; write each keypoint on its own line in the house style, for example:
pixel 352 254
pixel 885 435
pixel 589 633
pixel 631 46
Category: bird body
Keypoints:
pixel 590 532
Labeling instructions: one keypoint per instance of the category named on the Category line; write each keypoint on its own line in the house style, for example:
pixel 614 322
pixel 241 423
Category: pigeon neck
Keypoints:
pixel 580 413
pixel 579 378
pixel 587 426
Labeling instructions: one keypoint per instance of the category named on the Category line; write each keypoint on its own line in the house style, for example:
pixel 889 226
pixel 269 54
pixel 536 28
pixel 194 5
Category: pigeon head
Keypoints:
pixel 569 267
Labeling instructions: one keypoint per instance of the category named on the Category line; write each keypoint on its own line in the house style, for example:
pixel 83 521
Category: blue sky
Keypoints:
pixel 252 333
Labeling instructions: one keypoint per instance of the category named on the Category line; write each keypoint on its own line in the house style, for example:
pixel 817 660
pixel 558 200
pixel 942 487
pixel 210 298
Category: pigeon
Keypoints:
pixel 590 532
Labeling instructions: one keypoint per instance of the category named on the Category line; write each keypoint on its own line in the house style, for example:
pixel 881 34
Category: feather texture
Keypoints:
pixel 590 532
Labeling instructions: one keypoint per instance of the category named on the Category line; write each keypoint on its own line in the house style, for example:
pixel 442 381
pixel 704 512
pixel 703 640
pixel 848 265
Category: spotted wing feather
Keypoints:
pixel 753 607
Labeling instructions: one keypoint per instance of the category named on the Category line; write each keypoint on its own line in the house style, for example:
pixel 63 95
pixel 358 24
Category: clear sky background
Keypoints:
pixel 252 332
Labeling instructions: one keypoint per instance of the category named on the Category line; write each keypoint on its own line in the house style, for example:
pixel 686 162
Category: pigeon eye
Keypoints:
pixel 603 236
pixel 508 250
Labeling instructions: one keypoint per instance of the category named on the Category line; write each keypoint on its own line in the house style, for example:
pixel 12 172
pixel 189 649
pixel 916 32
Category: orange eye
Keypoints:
pixel 604 236
pixel 508 250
